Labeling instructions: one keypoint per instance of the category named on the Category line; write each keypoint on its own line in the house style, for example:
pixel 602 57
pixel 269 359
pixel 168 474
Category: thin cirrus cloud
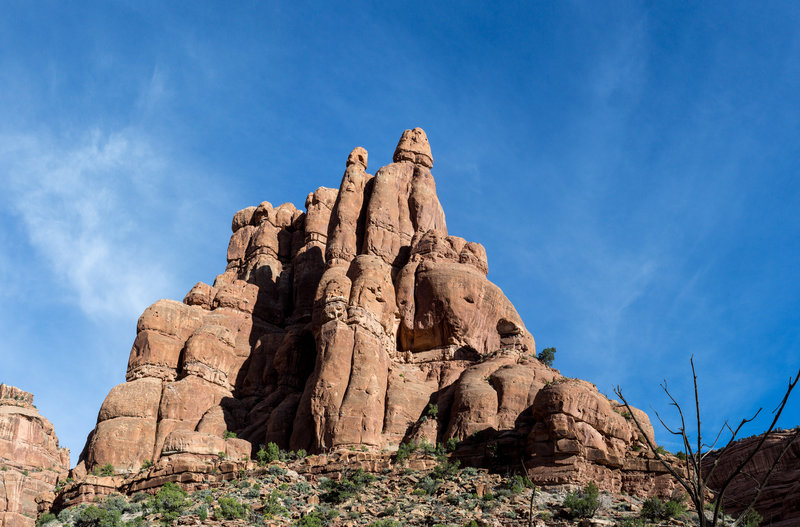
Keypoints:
pixel 80 206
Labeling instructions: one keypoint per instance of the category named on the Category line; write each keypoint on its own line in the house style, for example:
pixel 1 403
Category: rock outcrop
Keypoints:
pixel 31 462
pixel 360 321
pixel 778 504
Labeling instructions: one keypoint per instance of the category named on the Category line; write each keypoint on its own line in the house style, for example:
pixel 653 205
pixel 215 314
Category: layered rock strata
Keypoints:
pixel 779 502
pixel 359 321
pixel 31 462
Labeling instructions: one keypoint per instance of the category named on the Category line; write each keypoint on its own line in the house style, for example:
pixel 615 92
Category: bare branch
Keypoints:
pixel 732 440
pixel 695 481
pixel 765 480
pixel 670 469
pixel 722 429
pixel 691 460
pixel 677 433
pixel 777 412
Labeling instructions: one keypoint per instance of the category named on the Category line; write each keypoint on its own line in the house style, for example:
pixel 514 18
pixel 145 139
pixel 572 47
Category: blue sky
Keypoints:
pixel 631 168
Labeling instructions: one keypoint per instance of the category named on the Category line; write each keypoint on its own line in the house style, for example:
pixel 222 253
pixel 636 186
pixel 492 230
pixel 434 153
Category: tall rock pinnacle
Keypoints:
pixel 340 326
pixel 413 146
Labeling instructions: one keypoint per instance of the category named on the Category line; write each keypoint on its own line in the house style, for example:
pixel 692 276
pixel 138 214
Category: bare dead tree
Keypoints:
pixel 694 481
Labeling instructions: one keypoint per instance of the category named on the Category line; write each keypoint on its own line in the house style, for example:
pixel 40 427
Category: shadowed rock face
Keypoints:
pixel 341 326
pixel 31 460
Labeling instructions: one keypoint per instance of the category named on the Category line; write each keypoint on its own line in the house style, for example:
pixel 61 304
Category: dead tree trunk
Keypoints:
pixel 695 480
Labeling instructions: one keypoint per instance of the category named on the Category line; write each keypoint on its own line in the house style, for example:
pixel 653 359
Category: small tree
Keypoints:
pixel 583 504
pixel 695 480
pixel 170 502
pixel 546 356
pixel 269 454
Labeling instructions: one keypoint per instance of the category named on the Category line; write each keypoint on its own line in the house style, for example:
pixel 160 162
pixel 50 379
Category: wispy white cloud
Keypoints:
pixel 79 202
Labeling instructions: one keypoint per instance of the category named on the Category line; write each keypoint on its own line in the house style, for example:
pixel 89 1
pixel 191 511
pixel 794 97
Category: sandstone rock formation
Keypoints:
pixel 778 504
pixel 31 462
pixel 360 321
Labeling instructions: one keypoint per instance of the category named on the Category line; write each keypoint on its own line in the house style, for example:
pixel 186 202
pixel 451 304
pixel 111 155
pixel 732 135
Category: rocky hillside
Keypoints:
pixel 423 487
pixel 31 462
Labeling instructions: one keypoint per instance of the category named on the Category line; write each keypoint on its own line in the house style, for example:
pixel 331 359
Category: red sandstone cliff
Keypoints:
pixel 779 503
pixel 341 326
pixel 31 462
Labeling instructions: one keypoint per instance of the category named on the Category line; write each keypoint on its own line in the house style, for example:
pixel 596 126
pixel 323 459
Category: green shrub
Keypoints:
pixel 312 519
pixel 751 518
pixel 93 516
pixel 661 450
pixel 230 509
pixel 445 469
pixel 170 502
pixel 680 455
pixel 469 471
pixel 105 470
pixel 202 512
pixel 674 509
pixel 583 504
pixel 348 486
pixel 269 454
pixel 318 518
pixel 116 502
pixel 45 518
pixel 433 411
pixel 517 484
pixel 631 522
pixel 404 451
pixel 67 516
pixel 654 509
pixel 302 487
pixel 451 444
pixel 146 464
pixel 547 356
pixel 301 453
pixel 273 505
pixel 139 497
pixel 228 435
pixel 277 471
pixel 427 485
pixel 427 447
pixel 386 523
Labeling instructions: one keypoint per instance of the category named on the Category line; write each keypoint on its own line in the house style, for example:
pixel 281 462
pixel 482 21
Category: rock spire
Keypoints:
pixel 360 321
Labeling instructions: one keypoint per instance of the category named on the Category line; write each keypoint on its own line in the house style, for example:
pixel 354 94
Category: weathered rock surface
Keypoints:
pixel 360 321
pixel 31 462
pixel 778 504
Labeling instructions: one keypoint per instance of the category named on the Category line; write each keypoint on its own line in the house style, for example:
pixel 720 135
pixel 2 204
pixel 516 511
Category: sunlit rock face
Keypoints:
pixel 31 462
pixel 359 321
